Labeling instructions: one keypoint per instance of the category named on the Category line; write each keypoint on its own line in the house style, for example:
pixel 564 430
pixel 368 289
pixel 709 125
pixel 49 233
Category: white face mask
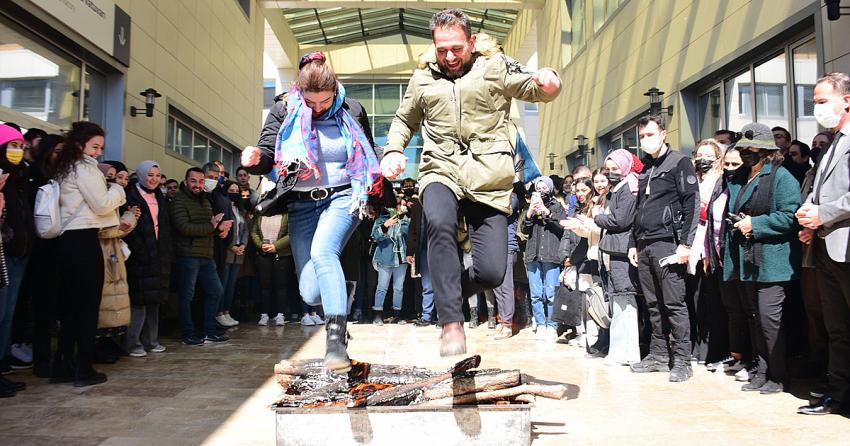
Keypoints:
pixel 209 185
pixel 825 115
pixel 651 145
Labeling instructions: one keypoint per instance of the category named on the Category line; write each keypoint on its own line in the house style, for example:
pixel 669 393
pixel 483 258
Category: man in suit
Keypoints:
pixel 825 217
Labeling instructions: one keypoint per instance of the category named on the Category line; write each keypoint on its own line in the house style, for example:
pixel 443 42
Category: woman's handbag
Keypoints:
pixel 568 307
pixel 276 201
pixel 597 306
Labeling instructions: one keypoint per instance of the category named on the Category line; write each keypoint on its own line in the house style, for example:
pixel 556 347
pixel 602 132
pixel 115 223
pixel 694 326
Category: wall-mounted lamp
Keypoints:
pixel 834 9
pixel 583 150
pixel 655 96
pixel 150 96
pixel 551 157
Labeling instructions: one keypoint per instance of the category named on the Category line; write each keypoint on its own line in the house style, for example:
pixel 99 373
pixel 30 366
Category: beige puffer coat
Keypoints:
pixel 115 303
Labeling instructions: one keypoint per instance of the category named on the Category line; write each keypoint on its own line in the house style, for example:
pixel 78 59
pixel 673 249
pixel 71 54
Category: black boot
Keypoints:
pixel 473 317
pixel 378 317
pixel 336 351
pixel 491 322
pixel 63 369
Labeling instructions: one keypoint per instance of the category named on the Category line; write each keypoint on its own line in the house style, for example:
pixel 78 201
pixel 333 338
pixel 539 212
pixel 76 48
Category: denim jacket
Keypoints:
pixel 391 249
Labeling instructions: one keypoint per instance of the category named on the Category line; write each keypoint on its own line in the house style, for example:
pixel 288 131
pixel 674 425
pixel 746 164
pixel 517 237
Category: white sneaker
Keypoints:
pixel 158 349
pixel 742 375
pixel 222 320
pixel 577 341
pixel 307 320
pixel 317 319
pixel 264 319
pixel 279 320
pixel 22 352
pixel 138 352
pixel 233 322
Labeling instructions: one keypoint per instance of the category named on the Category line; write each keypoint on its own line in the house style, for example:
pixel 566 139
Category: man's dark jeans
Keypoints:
pixel 191 271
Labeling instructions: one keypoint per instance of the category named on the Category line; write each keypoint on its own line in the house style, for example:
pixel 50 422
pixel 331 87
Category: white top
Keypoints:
pixel 85 202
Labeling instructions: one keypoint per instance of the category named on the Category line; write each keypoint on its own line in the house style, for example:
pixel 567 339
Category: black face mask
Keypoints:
pixel 703 165
pixel 814 154
pixel 234 196
pixel 408 191
pixel 614 178
pixel 729 174
pixel 749 158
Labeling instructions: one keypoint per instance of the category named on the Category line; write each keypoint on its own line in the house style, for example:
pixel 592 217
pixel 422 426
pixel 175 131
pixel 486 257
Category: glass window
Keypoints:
pixel 572 29
pixel 268 93
pixel 598 14
pixel 215 151
pixel 199 148
pixel 94 106
pixel 738 100
pixel 382 128
pixel 38 81
pixel 630 140
pixel 709 114
pixel 183 140
pixel 169 134
pixel 771 90
pixel 363 94
pixel 227 160
pixel 387 98
pixel 805 68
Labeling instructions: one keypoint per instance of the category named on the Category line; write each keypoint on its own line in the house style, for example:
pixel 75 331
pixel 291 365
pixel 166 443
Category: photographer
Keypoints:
pixel 761 249
pixel 541 254
pixel 390 234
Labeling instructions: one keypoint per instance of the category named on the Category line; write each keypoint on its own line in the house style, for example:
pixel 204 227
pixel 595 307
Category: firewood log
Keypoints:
pixel 473 382
pixel 554 392
pixel 406 393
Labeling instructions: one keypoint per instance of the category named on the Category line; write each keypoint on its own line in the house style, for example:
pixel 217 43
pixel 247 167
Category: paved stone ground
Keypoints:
pixel 220 394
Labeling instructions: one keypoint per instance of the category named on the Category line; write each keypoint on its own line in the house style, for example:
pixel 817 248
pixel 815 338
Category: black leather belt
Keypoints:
pixel 320 193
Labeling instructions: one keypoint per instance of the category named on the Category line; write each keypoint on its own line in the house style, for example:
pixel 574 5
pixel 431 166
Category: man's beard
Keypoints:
pixel 464 68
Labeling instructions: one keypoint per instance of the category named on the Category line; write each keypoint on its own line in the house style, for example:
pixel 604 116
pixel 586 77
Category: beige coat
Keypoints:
pixel 115 303
pixel 465 127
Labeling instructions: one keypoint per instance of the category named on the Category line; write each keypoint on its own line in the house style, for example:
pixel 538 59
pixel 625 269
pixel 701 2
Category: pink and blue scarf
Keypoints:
pixel 297 141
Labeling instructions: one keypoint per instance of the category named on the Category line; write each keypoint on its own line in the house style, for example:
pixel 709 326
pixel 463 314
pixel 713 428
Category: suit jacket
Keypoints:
pixel 833 197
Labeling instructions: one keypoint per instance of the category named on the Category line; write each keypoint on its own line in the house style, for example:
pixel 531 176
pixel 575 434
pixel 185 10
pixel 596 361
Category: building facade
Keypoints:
pixel 204 58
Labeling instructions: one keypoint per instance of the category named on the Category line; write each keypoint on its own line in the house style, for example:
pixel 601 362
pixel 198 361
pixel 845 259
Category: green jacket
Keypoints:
pixel 190 222
pixel 777 231
pixel 281 243
pixel 465 124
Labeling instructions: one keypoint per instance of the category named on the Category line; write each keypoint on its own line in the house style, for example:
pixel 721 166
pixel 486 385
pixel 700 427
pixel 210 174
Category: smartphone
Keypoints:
pixel 535 196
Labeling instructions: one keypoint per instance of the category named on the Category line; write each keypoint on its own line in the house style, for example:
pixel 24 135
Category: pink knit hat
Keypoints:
pixel 8 134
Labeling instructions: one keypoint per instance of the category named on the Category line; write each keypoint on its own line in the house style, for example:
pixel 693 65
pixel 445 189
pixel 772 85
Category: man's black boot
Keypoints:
pixel 681 370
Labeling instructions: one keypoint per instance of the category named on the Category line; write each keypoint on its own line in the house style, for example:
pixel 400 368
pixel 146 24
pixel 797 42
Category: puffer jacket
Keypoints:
pixel 115 303
pixel 85 202
pixel 467 143
pixel 281 242
pixel 149 264
pixel 544 234
pixel 190 220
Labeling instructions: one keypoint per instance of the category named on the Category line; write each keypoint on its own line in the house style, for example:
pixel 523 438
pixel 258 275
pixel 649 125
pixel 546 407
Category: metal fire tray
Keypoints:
pixel 490 425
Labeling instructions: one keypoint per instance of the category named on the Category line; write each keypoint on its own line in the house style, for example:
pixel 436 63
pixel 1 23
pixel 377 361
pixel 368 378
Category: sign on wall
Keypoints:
pixel 101 22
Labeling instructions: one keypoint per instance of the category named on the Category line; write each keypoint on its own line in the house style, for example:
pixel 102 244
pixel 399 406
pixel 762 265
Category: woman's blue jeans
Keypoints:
pixel 318 230
pixel 542 282
pixel 385 273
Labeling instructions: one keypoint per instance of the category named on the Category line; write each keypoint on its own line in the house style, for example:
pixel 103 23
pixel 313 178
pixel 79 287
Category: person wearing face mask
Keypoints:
pixel 234 248
pixel 149 265
pixel 87 204
pixel 825 217
pixel 337 169
pixel 705 308
pixel 542 261
pixel 665 224
pixel 17 221
pixel 761 250
pixel 620 277
pixel 820 143
pixel 734 316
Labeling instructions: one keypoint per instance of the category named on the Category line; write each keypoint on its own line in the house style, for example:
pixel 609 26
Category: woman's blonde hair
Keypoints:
pixel 717 168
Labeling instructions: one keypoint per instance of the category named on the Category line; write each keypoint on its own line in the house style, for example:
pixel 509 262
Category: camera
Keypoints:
pixel 731 219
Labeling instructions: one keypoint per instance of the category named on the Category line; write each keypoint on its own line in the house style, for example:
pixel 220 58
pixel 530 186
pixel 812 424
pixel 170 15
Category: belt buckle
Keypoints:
pixel 319 194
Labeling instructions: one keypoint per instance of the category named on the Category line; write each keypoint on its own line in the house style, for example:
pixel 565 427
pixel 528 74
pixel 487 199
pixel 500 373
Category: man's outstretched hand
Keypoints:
pixel 547 80
pixel 393 165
